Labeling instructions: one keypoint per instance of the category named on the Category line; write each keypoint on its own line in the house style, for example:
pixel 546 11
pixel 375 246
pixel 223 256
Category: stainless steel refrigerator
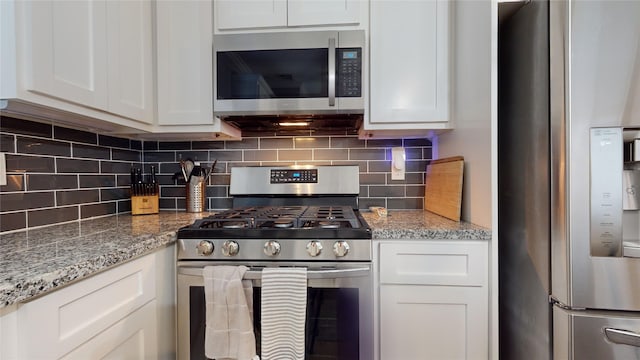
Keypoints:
pixel 568 165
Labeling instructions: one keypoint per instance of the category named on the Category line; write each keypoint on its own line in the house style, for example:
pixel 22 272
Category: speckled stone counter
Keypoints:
pixel 418 224
pixel 35 261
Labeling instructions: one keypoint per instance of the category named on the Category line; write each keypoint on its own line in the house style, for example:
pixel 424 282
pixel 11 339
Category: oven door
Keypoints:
pixel 339 321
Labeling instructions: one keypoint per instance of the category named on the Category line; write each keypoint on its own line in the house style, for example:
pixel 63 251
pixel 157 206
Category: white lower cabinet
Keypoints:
pixel 433 300
pixel 133 337
pixel 122 313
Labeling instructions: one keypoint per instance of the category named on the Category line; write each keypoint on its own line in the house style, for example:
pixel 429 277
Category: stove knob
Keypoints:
pixel 340 248
pixel 205 248
pixel 230 248
pixel 314 248
pixel 271 248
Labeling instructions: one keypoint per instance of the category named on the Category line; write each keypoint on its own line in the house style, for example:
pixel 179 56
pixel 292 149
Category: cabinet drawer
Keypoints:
pixel 434 263
pixel 66 318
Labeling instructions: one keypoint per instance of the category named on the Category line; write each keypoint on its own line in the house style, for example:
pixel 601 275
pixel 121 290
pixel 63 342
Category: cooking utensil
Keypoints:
pixel 207 175
pixel 196 172
pixel 184 171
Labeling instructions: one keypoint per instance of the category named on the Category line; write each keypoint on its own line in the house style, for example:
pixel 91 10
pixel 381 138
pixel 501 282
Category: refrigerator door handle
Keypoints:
pixel 624 337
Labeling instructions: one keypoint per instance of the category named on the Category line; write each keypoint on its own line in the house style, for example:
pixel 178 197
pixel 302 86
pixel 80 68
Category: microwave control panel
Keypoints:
pixel 349 72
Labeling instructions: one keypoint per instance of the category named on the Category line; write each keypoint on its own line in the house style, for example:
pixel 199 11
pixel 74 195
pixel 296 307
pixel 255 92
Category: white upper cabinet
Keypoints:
pixel 68 47
pixel 92 53
pixel 256 14
pixel 130 62
pixel 324 12
pixel 185 58
pixel 409 65
pixel 184 35
pixel 232 14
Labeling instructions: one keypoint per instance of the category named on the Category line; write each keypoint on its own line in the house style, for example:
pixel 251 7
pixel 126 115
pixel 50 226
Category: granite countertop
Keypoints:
pixel 33 262
pixel 422 225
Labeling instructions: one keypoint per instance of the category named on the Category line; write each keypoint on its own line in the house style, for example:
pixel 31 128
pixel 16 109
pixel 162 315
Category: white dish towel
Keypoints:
pixel 229 310
pixel 283 313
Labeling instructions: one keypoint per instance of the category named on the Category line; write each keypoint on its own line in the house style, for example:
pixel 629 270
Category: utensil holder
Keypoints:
pixel 196 194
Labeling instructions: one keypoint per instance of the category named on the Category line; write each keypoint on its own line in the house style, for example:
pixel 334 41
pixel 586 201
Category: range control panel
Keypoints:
pixel 305 176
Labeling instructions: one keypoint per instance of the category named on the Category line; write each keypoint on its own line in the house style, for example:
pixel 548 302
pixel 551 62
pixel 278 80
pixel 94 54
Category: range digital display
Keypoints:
pixel 280 176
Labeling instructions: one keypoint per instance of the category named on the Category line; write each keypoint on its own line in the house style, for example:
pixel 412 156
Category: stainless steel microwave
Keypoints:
pixel 314 72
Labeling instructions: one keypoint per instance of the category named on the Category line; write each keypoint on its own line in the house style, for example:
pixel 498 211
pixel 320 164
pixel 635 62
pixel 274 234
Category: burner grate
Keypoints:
pixel 282 217
pixel 330 217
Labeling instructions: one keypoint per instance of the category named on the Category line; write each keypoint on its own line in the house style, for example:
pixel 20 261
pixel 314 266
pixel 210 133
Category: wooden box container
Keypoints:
pixel 143 205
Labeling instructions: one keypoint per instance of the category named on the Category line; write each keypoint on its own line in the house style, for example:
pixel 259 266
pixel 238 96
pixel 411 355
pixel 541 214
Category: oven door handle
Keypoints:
pixel 311 274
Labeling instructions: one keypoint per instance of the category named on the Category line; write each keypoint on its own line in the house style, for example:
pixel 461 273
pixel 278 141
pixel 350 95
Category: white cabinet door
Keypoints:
pixel 130 63
pixel 256 14
pixel 433 322
pixel 93 53
pixel 433 299
pixel 234 14
pixel 184 55
pixel 324 12
pixel 409 57
pixel 52 326
pixel 134 337
pixel 68 47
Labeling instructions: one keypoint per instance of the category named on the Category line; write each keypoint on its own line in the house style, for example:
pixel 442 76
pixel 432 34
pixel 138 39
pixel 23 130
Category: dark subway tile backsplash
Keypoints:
pixel 77 166
pixel 114 194
pixel 26 200
pixel 91 152
pixel 30 163
pixel 116 142
pixel 52 216
pixel 7 143
pixel 28 145
pixel 51 182
pixel 371 156
pixel 59 174
pixel 24 127
pixel 14 183
pixel 13 221
pixel 107 208
pixel 72 197
pixel 63 133
pixel 97 181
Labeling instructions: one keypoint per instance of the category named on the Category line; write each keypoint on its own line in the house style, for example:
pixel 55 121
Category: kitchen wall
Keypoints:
pixel 372 156
pixel 473 108
pixel 57 174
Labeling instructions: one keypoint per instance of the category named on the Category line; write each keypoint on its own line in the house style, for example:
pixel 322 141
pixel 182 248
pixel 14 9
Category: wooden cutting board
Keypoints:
pixel 443 187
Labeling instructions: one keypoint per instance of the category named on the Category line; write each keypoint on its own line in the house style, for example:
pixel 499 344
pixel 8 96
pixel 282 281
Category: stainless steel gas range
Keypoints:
pixel 305 216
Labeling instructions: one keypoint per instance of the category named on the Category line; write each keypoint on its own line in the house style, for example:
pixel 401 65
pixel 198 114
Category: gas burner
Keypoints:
pixel 234 225
pixel 329 224
pixel 283 223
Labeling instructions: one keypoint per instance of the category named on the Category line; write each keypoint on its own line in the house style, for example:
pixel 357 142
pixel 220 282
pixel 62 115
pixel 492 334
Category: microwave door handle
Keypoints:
pixel 332 71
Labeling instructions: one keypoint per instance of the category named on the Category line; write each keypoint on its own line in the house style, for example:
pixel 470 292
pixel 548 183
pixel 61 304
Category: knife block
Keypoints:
pixel 143 205
pixel 144 199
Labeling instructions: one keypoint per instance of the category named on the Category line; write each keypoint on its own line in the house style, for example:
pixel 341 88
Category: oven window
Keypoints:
pixel 332 326
pixel 272 74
